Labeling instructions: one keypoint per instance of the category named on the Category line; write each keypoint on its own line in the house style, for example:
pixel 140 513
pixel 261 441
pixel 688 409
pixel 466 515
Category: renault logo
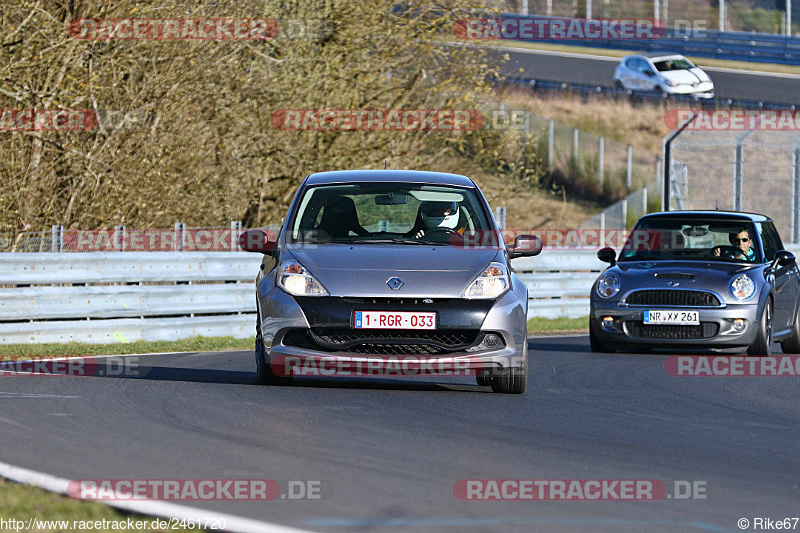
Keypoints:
pixel 394 283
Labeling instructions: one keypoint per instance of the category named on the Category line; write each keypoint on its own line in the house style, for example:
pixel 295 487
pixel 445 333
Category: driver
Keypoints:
pixel 742 243
pixel 435 216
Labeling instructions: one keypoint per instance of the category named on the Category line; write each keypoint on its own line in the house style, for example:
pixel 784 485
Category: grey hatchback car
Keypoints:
pixel 698 279
pixel 391 264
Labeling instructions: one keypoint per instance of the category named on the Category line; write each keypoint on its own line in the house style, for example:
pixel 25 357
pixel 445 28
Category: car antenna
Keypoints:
pixel 385 164
pixel 717 208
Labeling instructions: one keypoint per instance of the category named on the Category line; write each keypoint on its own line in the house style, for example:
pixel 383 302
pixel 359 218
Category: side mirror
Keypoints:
pixel 783 258
pixel 607 255
pixel 525 246
pixel 257 240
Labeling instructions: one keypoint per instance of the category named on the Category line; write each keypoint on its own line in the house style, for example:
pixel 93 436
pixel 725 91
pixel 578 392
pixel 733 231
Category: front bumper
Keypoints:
pixel 305 327
pixel 716 329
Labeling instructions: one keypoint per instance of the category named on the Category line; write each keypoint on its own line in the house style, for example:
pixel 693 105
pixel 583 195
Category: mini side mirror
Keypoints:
pixel 784 258
pixel 607 255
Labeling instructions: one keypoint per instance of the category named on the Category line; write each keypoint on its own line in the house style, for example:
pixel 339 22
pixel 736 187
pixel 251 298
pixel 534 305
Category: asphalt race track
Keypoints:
pixel 390 451
pixel 581 68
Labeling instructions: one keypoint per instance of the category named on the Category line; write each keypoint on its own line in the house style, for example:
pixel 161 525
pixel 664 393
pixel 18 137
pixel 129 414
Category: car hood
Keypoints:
pixel 363 270
pixel 709 275
pixel 686 77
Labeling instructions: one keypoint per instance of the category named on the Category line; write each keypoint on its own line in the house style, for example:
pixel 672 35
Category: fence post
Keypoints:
pixel 57 238
pixel 527 122
pixel 603 229
pixel 624 213
pixel 550 144
pixel 660 181
pixel 644 200
pixel 236 229
pixel 119 238
pixel 600 161
pixel 795 193
pixel 575 145
pixel 737 178
pixel 179 238
pixel 500 217
pixel 629 169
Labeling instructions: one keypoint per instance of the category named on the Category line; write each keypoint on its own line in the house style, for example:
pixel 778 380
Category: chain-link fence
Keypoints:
pixel 755 171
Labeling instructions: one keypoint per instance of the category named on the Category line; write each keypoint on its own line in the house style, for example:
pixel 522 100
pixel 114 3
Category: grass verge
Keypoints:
pixel 23 502
pixel 558 325
pixel 13 352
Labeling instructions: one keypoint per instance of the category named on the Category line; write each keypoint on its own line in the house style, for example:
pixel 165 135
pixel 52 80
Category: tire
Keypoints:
pixel 512 380
pixel 762 345
pixel 596 344
pixel 265 374
pixel 484 379
pixel 792 343
pixel 618 85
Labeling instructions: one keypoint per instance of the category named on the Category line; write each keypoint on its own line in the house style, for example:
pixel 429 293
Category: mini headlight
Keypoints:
pixel 742 287
pixel 490 284
pixel 295 279
pixel 608 285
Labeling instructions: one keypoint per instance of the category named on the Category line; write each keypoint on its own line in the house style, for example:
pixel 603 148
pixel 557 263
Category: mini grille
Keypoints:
pixel 704 330
pixel 673 297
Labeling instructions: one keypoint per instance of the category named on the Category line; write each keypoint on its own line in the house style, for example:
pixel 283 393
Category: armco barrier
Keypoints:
pixel 101 297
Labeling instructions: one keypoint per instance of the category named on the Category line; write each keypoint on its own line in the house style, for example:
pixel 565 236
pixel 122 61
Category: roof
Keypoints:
pixel 653 55
pixel 729 215
pixel 407 176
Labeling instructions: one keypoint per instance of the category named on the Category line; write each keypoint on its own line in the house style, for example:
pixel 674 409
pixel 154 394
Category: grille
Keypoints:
pixel 673 275
pixel 704 330
pixel 341 338
pixel 673 297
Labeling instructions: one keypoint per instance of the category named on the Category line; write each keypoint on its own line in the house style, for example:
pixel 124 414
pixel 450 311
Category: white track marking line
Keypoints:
pixel 153 508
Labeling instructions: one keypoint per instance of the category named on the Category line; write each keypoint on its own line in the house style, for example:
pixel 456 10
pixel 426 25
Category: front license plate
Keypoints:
pixel 680 318
pixel 393 320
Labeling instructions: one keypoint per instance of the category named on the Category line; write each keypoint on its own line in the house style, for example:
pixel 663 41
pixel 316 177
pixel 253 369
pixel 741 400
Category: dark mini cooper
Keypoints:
pixel 376 264
pixel 698 279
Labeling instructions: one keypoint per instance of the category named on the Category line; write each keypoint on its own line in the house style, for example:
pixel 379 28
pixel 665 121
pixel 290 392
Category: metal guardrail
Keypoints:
pixel 730 45
pixel 106 297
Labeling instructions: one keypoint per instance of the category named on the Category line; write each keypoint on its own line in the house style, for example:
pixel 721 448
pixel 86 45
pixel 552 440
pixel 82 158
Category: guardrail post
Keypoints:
pixel 550 144
pixel 624 213
pixel 179 237
pixel 236 229
pixel 119 238
pixel 796 195
pixel 600 161
pixel 721 15
pixel 57 238
pixel 527 122
pixel 737 178
pixel 629 169
pixel 575 145
pixel 602 229
pixel 660 183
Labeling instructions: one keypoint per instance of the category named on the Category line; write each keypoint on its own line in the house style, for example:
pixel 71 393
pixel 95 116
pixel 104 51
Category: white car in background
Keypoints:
pixel 663 73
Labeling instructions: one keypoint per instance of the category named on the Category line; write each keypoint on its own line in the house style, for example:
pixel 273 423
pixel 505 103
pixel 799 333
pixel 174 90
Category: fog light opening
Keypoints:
pixel 739 324
pixel 607 322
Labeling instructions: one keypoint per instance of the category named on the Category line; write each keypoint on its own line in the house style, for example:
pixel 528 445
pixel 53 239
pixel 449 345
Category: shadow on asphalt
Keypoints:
pixel 228 377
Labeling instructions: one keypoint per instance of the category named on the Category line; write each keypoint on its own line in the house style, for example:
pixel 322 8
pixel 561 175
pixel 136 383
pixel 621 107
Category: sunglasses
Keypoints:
pixel 741 240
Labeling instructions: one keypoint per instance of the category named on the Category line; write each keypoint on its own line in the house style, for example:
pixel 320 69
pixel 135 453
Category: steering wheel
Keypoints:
pixel 726 252
pixel 447 231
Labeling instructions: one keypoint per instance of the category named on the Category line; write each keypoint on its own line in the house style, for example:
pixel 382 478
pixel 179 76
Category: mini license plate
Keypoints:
pixel 679 318
pixel 393 320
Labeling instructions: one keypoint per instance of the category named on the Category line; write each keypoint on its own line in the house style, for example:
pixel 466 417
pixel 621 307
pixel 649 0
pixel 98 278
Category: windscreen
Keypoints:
pixel 387 213
pixel 667 239
pixel 673 64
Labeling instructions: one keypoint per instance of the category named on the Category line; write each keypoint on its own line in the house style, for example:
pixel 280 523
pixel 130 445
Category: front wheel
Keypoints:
pixel 512 380
pixel 265 374
pixel 763 343
pixel 792 343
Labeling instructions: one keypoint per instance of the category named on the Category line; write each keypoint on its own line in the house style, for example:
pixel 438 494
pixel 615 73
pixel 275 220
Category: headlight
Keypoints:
pixel 742 287
pixel 671 83
pixel 490 284
pixel 295 279
pixel 608 285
